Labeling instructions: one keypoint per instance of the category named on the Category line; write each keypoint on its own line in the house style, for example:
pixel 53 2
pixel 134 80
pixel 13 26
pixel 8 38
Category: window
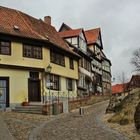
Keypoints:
pixel 54 80
pixel 82 44
pixel 85 64
pixel 5 47
pixel 32 51
pixel 73 41
pixel 71 63
pixel 69 84
pixel 81 81
pixel 34 75
pixel 57 58
pixel 99 79
pixel 81 62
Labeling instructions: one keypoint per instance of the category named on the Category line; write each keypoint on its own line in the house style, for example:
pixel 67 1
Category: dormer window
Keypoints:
pixel 73 41
pixel 16 28
pixel 5 47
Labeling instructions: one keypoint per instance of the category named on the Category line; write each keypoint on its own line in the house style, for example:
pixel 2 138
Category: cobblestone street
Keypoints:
pixel 76 127
pixel 70 126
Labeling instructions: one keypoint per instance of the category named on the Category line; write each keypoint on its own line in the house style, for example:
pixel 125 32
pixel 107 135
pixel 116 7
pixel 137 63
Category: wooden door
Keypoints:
pixel 34 94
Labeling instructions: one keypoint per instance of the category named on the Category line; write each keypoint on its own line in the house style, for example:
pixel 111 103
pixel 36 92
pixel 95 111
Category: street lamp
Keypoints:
pixel 113 80
pixel 48 70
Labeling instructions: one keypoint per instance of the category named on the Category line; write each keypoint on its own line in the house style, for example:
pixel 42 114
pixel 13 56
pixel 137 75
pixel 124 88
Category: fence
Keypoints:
pixel 52 97
pixel 72 100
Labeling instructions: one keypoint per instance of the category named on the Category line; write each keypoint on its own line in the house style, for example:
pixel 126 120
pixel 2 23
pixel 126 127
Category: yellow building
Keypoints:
pixel 27 47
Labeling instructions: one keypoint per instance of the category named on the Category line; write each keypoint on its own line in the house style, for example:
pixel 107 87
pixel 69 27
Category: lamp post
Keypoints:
pixel 113 80
pixel 48 70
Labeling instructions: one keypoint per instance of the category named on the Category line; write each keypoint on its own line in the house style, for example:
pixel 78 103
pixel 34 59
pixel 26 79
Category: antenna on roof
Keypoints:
pixel 16 28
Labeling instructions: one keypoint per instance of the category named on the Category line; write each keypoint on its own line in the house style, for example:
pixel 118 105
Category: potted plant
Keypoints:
pixel 25 103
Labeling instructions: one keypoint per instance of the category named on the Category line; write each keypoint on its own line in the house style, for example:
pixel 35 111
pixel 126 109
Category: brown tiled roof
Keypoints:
pixel 135 81
pixel 70 33
pixel 29 27
pixel 92 35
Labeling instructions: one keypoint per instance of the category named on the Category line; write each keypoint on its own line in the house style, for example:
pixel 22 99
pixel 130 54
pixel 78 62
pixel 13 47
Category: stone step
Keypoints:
pixel 29 109
pixel 36 103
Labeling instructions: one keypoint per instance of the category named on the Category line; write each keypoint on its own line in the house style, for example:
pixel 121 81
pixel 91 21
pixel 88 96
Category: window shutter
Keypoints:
pixel 67 86
pixel 59 83
pixel 73 84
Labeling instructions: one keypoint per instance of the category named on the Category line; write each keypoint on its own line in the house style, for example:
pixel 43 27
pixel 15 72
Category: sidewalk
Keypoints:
pixel 4 133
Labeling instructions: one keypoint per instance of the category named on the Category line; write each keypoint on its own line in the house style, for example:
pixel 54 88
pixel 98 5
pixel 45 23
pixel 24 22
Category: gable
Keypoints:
pixel 64 27
pixel 82 36
pixel 99 40
pixel 82 42
pixel 94 36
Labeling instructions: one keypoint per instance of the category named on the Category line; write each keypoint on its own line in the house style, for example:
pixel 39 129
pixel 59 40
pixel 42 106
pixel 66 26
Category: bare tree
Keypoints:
pixel 135 60
pixel 123 80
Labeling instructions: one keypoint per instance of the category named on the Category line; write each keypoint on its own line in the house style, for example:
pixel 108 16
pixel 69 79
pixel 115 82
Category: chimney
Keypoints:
pixel 47 19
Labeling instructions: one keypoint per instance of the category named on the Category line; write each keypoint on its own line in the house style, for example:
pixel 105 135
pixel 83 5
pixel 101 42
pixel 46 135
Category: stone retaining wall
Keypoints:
pixel 74 104
pixel 49 109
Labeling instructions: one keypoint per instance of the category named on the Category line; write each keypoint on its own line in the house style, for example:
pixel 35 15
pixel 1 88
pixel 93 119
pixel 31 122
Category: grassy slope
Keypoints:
pixel 126 109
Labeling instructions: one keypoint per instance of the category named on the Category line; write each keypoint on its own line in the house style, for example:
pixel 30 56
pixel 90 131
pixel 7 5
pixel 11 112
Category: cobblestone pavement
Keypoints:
pixel 4 132
pixel 76 127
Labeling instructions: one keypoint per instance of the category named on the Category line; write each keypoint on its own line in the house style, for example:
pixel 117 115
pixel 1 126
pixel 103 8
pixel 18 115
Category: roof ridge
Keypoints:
pixel 92 29
pixel 31 27
pixel 67 25
pixel 72 30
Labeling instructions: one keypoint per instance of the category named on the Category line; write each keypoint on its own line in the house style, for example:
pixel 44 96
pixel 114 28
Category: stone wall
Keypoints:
pixel 50 110
pixel 73 104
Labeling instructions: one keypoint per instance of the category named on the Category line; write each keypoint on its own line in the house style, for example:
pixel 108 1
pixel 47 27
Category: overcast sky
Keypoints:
pixel 119 21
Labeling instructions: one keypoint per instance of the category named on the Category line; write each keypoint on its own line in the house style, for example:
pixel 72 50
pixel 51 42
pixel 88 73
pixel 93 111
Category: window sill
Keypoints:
pixel 33 58
pixel 58 64
pixel 5 54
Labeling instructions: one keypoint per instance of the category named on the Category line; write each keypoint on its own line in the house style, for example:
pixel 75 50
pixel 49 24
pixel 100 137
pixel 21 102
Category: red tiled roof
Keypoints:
pixel 70 33
pixel 118 88
pixel 92 35
pixel 29 27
